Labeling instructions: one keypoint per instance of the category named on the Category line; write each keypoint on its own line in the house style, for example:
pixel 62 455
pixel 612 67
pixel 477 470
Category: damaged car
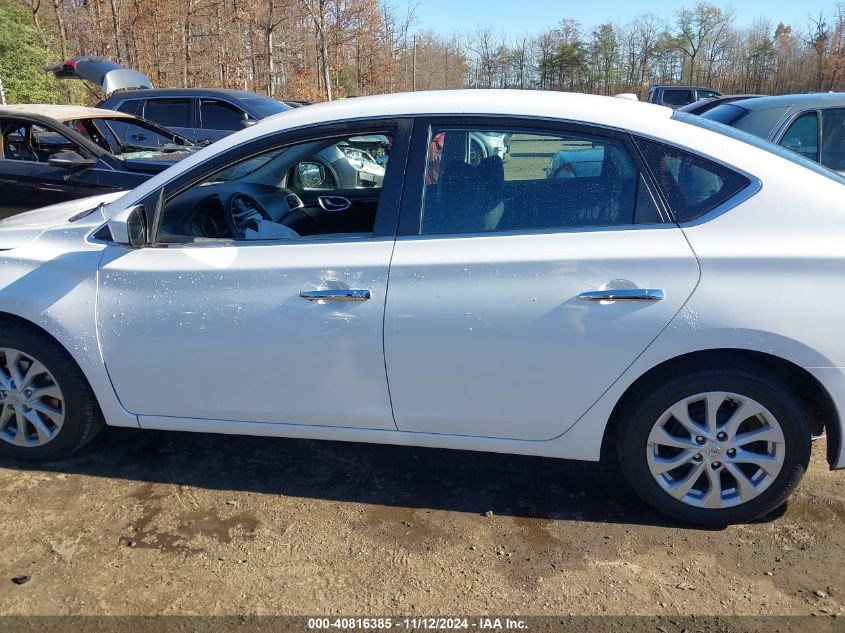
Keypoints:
pixel 206 115
pixel 55 153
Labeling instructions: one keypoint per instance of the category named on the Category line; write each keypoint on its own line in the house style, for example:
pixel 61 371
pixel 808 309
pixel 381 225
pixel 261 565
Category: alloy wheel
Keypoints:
pixel 715 450
pixel 32 406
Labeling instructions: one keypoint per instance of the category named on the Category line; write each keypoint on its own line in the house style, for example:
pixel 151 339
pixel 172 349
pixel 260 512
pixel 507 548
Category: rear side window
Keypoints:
pixel 481 180
pixel 726 113
pixel 169 112
pixel 692 185
pixel 130 107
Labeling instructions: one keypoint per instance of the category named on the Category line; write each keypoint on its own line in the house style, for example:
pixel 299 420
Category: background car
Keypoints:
pixel 53 153
pixel 708 103
pixel 207 115
pixel 635 309
pixel 198 114
pixel 812 125
pixel 677 96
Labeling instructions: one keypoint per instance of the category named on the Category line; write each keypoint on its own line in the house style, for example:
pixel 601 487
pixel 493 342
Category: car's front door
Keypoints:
pixel 219 119
pixel 522 287
pixel 277 327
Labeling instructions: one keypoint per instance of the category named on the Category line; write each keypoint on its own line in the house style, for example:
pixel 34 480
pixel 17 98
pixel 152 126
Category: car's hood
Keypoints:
pixel 23 228
pixel 109 75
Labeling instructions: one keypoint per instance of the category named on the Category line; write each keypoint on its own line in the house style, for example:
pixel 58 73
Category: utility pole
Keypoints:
pixel 2 92
pixel 414 64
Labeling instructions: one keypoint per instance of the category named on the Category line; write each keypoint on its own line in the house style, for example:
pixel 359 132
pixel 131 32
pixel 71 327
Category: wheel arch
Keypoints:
pixel 819 407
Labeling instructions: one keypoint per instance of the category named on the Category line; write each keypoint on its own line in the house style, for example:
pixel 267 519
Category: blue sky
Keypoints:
pixel 531 16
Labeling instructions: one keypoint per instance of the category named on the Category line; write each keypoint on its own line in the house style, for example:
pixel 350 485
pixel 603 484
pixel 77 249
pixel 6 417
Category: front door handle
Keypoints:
pixel 335 295
pixel 334 203
pixel 627 294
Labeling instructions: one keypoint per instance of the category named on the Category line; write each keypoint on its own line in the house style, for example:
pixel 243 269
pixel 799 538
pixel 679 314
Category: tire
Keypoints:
pixel 655 414
pixel 82 419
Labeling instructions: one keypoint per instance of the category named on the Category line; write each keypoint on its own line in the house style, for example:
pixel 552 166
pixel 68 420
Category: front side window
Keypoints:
pixel 218 115
pixel 326 188
pixel 26 141
pixel 802 137
pixel 169 112
pixel 492 180
pixel 691 184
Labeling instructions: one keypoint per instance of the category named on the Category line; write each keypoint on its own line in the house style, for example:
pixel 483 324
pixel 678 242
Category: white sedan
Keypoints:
pixel 678 306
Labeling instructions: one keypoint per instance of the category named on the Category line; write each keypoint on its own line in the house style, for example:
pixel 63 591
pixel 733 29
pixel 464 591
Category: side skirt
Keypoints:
pixel 577 443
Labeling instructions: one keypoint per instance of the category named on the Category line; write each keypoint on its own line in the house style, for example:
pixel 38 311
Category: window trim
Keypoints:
pixel 390 197
pixel 412 199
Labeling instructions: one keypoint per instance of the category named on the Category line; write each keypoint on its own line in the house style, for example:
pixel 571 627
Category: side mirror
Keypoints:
pixel 311 175
pixel 130 227
pixel 68 159
pixel 248 123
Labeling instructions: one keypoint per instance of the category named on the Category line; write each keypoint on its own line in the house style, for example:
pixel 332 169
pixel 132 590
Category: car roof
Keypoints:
pixel 600 110
pixel 685 87
pixel 60 112
pixel 806 100
pixel 183 92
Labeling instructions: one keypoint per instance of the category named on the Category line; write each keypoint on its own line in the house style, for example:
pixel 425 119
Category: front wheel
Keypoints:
pixel 47 408
pixel 715 447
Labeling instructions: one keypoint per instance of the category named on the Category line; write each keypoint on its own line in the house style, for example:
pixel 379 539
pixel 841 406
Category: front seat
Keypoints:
pixel 491 172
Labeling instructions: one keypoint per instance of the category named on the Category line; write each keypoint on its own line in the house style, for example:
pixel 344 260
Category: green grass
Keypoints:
pixel 530 154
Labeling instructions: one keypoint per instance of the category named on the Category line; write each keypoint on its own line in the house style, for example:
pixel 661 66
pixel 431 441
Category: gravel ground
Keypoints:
pixel 178 523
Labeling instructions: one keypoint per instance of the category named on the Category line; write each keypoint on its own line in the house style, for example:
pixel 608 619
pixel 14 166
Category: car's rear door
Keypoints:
pixel 521 289
pixel 174 113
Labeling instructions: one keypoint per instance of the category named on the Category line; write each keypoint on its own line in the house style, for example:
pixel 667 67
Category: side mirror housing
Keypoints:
pixel 68 159
pixel 248 123
pixel 130 227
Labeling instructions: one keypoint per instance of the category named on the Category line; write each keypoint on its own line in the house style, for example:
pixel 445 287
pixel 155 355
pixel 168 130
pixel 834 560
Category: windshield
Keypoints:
pixel 757 142
pixel 727 113
pixel 265 106
pixel 129 137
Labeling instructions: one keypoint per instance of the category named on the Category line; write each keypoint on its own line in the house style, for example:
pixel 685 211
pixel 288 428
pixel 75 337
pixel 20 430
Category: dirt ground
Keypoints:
pixel 158 523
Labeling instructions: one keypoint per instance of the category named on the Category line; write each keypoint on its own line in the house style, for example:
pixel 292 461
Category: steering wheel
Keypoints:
pixel 242 210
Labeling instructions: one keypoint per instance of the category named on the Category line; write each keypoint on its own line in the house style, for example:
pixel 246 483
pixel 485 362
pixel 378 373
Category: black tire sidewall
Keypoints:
pixel 632 442
pixel 80 409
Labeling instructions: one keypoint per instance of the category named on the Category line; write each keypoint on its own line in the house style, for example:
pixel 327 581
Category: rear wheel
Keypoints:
pixel 47 408
pixel 715 447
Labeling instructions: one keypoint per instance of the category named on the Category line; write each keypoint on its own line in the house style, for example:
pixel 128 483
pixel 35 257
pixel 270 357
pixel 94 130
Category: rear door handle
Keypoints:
pixel 335 295
pixel 627 294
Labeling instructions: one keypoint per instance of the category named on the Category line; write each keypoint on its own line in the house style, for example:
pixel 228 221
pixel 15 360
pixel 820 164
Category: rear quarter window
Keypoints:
pixel 692 185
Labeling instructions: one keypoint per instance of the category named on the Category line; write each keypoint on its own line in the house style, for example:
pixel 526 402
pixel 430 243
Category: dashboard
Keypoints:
pixel 201 212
